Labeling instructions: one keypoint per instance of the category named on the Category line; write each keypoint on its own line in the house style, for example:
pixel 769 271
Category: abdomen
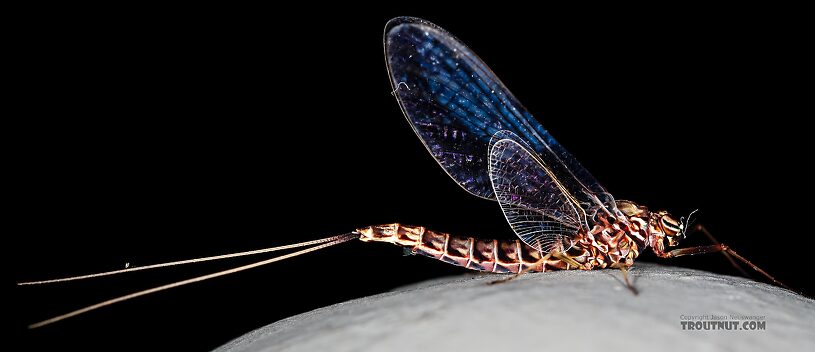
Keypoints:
pixel 498 256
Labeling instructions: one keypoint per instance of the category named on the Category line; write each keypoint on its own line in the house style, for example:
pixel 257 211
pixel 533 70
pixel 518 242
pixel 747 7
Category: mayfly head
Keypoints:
pixel 674 230
pixel 661 225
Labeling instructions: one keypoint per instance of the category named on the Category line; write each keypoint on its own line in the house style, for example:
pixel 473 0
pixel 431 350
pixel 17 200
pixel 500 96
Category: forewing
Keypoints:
pixel 455 103
pixel 541 212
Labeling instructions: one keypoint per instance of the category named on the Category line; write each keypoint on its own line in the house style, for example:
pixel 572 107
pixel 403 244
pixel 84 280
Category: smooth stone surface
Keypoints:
pixel 557 311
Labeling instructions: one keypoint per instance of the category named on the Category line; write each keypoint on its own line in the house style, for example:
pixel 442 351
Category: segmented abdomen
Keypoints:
pixel 498 256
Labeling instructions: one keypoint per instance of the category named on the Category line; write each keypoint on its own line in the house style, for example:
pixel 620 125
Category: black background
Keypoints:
pixel 159 135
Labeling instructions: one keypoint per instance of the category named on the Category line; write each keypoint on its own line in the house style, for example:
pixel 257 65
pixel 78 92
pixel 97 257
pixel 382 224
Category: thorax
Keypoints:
pixel 610 241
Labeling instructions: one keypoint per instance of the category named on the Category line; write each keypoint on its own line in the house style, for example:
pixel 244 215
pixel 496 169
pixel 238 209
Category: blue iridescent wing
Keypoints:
pixel 455 104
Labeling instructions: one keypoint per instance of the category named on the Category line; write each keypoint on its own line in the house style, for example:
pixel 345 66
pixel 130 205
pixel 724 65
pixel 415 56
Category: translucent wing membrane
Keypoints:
pixel 541 212
pixel 455 104
pixel 448 96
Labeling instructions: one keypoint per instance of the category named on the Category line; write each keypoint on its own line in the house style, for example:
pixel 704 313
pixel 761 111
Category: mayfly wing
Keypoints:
pixel 455 104
pixel 538 207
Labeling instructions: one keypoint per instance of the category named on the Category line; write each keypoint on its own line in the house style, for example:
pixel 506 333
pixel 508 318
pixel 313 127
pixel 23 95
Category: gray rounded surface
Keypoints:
pixel 559 311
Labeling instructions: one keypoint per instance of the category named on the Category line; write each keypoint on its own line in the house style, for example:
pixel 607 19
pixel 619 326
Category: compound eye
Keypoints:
pixel 670 225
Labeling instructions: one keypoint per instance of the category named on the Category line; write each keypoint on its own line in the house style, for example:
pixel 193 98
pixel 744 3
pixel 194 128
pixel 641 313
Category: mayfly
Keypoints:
pixel 494 149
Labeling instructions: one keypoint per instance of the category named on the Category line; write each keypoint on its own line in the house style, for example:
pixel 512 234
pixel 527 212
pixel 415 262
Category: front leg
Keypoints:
pixel 701 228
pixel 721 247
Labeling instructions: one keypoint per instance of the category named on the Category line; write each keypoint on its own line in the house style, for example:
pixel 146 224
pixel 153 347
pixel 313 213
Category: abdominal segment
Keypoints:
pixel 498 256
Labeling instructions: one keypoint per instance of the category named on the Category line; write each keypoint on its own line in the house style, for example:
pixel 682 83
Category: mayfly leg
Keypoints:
pixel 628 284
pixel 316 245
pixel 721 247
pixel 702 229
pixel 524 271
